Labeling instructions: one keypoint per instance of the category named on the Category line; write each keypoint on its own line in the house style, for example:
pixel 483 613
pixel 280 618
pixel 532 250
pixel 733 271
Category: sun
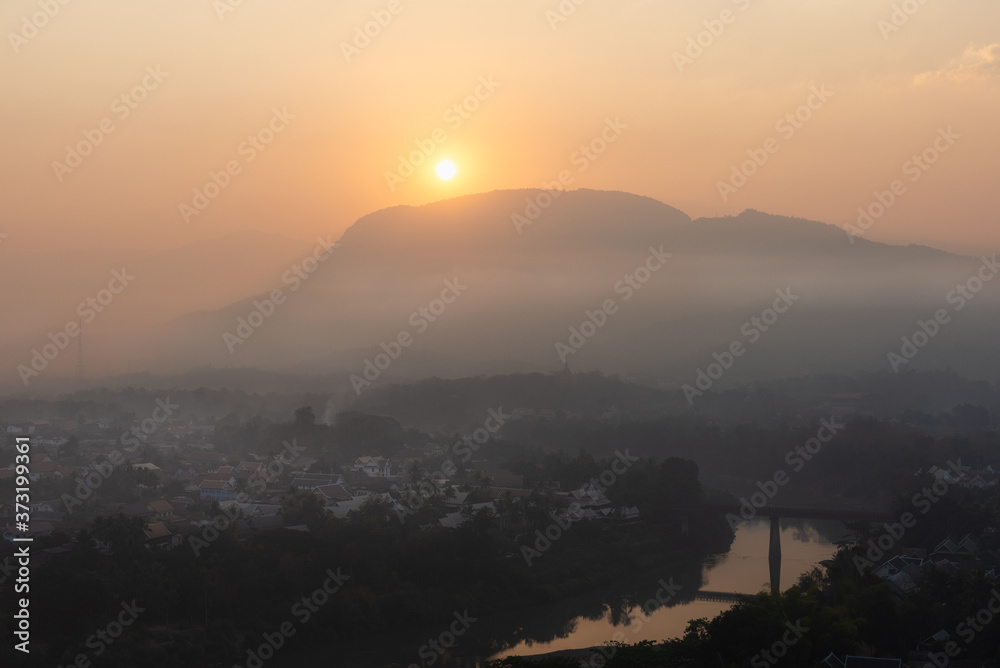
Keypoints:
pixel 446 169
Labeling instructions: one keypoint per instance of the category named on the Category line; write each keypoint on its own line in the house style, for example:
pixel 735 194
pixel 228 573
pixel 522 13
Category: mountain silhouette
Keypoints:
pixel 526 266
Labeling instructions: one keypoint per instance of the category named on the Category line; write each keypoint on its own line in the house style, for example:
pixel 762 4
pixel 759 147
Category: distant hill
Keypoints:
pixel 525 288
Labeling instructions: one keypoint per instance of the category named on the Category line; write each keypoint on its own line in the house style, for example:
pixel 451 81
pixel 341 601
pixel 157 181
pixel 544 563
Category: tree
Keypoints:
pixel 303 508
pixel 70 448
pixel 122 533
pixel 416 472
pixel 305 418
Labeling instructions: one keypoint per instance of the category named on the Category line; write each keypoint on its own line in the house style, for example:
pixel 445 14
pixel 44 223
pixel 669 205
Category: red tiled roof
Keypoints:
pixel 160 506
pixel 156 530
pixel 335 492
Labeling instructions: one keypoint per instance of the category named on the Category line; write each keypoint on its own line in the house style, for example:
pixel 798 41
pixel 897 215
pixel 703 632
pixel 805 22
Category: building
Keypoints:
pixel 219 490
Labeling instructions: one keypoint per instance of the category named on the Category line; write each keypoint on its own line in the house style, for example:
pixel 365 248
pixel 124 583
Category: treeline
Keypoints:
pixel 831 610
pixel 207 602
pixel 866 462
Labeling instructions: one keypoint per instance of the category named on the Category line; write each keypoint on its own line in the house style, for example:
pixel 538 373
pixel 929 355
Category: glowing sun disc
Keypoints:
pixel 446 169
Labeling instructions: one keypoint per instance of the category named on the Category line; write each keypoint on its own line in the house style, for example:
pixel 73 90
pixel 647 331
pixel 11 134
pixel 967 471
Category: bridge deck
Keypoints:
pixel 721 596
pixel 844 515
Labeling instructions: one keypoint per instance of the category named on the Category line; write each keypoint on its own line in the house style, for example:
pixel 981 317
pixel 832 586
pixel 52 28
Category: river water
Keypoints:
pixel 597 616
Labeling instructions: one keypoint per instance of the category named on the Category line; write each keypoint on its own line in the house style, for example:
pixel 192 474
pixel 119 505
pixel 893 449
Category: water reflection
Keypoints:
pixel 596 617
pixel 744 569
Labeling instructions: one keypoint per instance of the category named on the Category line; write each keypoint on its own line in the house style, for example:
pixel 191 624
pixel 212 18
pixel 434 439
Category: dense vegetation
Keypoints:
pixel 207 608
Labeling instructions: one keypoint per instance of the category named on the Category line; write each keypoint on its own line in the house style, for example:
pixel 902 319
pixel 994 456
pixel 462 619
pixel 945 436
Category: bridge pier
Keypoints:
pixel 774 554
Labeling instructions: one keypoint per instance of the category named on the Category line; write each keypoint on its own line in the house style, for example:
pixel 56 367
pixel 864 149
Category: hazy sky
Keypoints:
pixel 220 76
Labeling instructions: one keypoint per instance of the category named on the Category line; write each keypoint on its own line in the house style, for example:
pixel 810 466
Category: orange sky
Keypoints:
pixel 555 86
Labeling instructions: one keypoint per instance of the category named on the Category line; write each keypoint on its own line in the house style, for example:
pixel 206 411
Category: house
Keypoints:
pixel 943 474
pixel 332 493
pixel 979 480
pixel 161 509
pixel 966 547
pixel 629 513
pixel 589 496
pixel 222 473
pixel 343 509
pixel 314 480
pixel 251 470
pixel 220 490
pixel 253 509
pixel 364 484
pixel 374 466
pixel 51 506
pixel 904 571
pixel 158 537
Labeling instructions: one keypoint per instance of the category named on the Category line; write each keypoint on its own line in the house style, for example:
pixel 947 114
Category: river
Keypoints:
pixel 743 569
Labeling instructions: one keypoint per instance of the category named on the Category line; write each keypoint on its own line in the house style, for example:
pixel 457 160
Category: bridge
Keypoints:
pixel 721 596
pixel 841 514
pixel 775 513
